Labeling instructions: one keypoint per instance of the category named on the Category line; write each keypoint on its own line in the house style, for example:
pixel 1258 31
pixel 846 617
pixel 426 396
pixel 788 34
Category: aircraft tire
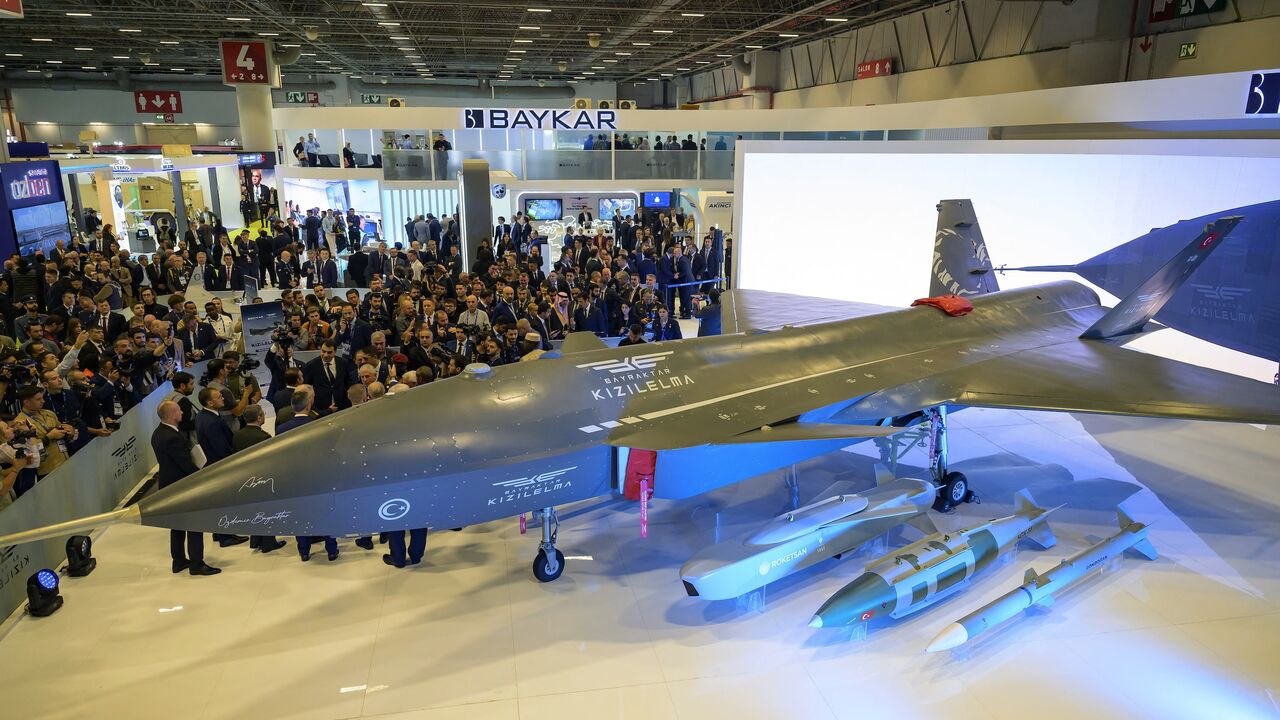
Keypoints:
pixel 954 490
pixel 540 563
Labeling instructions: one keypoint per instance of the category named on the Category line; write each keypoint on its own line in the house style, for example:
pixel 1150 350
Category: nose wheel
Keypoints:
pixel 549 563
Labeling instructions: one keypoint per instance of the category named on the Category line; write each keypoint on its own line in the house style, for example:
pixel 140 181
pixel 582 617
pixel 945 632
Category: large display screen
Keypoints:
pixel 544 208
pixel 626 206
pixel 1039 204
pixel 657 199
pixel 40 227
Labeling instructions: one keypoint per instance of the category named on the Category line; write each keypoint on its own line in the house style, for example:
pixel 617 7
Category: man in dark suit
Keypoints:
pixel 112 323
pixel 501 230
pixel 706 264
pixel 356 264
pixel 311 229
pixel 198 339
pixel 174 456
pixel 683 276
pixel 216 440
pixel 329 376
pixel 226 276
pixel 585 218
pixel 282 397
pixel 328 269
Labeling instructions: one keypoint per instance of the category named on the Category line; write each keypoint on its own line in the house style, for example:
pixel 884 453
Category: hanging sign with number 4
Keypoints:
pixel 246 62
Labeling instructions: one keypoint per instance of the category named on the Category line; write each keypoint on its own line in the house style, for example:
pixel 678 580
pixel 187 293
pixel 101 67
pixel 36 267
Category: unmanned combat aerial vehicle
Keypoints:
pixel 803 378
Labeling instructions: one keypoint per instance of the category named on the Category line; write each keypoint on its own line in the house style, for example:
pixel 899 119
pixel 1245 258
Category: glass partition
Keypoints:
pixel 717 165
pixel 567 165
pixel 508 160
pixel 407 164
pixel 656 164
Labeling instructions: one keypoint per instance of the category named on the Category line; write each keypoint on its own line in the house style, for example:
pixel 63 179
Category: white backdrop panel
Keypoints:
pixel 853 222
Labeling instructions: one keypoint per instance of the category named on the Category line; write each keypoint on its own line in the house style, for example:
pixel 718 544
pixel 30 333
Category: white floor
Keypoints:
pixel 470 634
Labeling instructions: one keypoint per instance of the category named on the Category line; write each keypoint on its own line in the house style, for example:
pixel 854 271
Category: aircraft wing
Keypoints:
pixel 1092 377
pixel 743 310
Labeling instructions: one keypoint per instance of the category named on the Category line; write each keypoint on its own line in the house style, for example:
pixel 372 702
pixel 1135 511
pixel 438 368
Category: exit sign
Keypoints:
pixel 1186 51
pixel 366 99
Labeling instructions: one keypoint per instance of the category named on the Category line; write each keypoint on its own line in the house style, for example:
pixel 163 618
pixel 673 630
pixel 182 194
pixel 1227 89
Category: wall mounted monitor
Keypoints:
pixel 40 227
pixel 624 205
pixel 544 209
pixel 657 199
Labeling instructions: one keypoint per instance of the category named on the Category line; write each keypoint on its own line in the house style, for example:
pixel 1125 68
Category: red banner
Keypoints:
pixel 874 68
pixel 246 62
pixel 11 8
pixel 157 101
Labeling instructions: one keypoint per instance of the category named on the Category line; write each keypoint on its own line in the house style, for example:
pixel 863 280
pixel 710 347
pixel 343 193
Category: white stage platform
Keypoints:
pixel 470 634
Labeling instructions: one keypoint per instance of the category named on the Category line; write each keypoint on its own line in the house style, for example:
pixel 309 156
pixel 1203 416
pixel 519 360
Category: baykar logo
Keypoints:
pixel 629 364
pixel 474 119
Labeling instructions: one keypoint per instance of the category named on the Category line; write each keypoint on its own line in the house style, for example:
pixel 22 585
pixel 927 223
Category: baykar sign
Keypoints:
pixel 545 119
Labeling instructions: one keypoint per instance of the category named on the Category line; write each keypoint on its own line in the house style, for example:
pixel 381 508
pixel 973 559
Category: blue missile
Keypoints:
pixel 1040 589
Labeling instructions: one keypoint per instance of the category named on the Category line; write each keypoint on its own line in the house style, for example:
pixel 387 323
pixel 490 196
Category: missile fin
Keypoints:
pixel 923 523
pixel 1122 517
pixel 1144 548
pixel 1029 577
pixel 1041 534
pixel 883 476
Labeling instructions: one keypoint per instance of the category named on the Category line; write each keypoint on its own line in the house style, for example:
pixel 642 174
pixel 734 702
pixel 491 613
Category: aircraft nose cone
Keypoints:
pixel 863 599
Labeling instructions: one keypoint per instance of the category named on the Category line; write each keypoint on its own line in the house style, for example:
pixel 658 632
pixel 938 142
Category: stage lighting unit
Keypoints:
pixel 80 559
pixel 43 599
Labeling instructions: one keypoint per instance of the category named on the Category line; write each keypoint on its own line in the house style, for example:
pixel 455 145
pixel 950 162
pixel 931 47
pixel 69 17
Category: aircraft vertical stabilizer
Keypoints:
pixel 1133 312
pixel 961 265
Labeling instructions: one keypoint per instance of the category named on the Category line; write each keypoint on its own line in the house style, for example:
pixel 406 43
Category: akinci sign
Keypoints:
pixel 538 119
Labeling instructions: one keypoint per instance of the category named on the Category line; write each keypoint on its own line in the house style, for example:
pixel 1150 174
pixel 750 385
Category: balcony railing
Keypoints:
pixel 564 164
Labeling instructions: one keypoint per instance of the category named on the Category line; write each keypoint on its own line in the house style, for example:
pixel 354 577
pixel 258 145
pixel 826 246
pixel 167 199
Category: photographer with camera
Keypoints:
pixel 284 339
pixel 352 332
pixel 228 378
pixel 18 461
pixel 53 435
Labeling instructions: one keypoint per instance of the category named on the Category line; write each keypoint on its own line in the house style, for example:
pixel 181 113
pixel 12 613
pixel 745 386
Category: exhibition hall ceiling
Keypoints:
pixel 473 39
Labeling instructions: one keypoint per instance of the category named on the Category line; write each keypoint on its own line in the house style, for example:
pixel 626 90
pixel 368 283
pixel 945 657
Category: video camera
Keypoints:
pixel 282 335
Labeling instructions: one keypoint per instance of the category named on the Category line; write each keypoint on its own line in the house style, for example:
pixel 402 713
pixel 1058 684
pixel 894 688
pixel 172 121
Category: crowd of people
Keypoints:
pixel 670 142
pixel 72 363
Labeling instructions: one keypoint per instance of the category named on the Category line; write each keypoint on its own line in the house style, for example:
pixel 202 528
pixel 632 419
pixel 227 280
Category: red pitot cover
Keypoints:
pixel 953 305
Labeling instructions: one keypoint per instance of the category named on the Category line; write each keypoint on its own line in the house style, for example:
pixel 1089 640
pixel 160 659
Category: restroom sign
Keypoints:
pixel 157 101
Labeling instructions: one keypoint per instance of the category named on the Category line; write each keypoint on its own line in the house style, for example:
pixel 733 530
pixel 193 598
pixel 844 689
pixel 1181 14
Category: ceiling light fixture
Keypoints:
pixel 168 42
pixel 389 24
pixel 13 54
pixel 641 44
pixel 837 20
pixel 755 47
pixel 54 62
pixel 665 74
pixel 788 35
pixel 609 60
pixel 79 14
pixel 308 54
pixel 119 57
pixel 289 45
pixel 130 30
pixel 691 15
pixel 178 69
pixel 83 49
pixel 541 10
pixel 238 19
pixel 664 32
pixel 597 67
pixel 82 67
pixel 517 51
pixel 524 41
pixel 41 39
pixel 702 62
pixel 530 27
pixel 400 37
pixel 268 34
pixel 373 4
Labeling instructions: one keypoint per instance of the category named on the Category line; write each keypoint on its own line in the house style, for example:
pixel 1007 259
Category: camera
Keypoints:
pixel 281 335
pixel 248 365
pixel 21 434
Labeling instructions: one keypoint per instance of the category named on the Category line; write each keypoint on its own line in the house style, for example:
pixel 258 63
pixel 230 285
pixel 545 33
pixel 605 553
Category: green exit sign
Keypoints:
pixel 1186 51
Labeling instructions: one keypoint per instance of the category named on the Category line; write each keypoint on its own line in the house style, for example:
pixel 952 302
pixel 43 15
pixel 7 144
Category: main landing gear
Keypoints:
pixel 549 564
pixel 953 487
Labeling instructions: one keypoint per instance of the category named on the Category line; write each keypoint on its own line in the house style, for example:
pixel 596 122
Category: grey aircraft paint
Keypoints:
pixel 1233 300
pixel 540 434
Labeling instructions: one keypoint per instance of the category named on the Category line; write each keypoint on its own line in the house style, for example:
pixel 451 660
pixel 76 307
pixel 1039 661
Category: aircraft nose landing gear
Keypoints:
pixel 549 563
